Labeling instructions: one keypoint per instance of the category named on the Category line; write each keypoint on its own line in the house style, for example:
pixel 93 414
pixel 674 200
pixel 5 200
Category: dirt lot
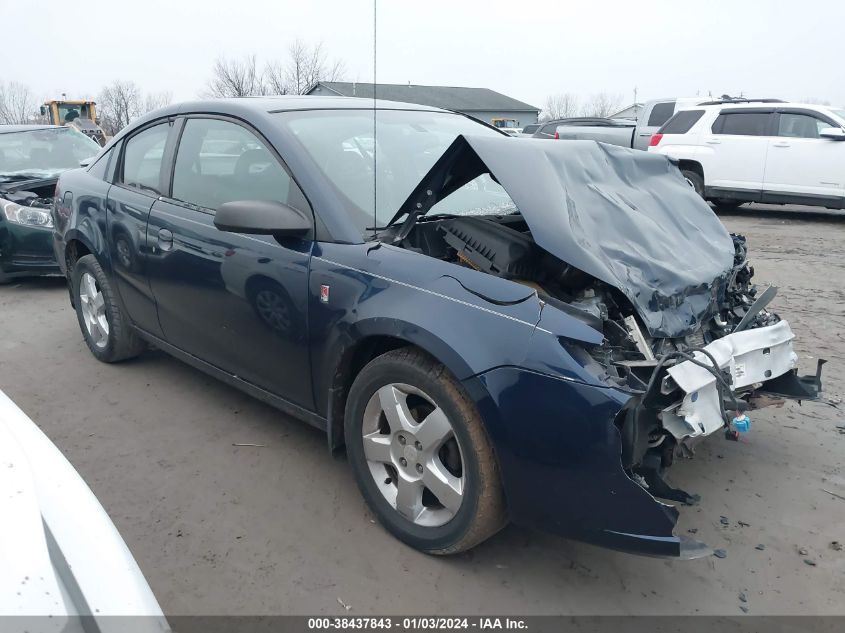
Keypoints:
pixel 282 529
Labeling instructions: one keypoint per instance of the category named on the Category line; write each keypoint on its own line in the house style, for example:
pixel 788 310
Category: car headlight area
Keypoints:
pixel 26 216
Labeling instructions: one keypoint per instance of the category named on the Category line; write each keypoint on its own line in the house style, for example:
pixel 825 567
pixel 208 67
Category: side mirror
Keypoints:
pixel 86 161
pixel 833 133
pixel 262 217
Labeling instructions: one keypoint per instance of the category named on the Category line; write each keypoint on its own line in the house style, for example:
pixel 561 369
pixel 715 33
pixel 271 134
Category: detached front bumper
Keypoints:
pixel 560 449
pixel 559 452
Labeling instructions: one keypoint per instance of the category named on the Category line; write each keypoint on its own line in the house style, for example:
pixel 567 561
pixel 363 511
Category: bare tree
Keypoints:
pixel 275 78
pixel 236 78
pixel 17 103
pixel 602 104
pixel 119 103
pixel 156 100
pixel 122 101
pixel 816 101
pixel 560 106
pixel 306 65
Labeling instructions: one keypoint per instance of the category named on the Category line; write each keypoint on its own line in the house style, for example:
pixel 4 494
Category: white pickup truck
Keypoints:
pixel 628 132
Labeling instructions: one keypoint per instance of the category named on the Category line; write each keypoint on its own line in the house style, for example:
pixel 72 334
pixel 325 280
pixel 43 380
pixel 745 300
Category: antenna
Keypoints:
pixel 375 140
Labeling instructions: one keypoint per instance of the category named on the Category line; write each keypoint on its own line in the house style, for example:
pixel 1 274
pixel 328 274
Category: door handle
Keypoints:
pixel 713 141
pixel 780 144
pixel 165 239
pixel 646 134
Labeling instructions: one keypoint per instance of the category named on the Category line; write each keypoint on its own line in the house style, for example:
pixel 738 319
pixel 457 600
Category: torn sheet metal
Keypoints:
pixel 625 217
pixel 750 356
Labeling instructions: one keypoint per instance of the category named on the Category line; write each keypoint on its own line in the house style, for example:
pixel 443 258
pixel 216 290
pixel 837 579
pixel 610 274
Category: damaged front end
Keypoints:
pixel 689 387
pixel 26 225
pixel 616 240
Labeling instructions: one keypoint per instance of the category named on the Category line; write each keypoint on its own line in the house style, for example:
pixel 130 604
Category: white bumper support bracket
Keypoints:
pixel 751 357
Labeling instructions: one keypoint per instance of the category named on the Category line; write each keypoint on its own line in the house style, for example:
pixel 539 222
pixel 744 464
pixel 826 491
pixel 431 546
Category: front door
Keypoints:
pixel 802 164
pixel 238 302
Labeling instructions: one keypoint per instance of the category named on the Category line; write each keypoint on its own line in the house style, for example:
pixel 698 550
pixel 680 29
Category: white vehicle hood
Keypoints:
pixel 60 554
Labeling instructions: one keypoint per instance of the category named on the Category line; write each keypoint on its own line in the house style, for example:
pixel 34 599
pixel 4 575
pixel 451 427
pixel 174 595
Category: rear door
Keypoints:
pixel 137 184
pixel 733 152
pixel 237 302
pixel 651 120
pixel 801 166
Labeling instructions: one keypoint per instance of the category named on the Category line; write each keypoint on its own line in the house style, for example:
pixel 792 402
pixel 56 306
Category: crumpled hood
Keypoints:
pixel 623 216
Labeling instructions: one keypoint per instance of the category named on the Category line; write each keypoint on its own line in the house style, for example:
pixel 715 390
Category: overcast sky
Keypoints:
pixel 776 48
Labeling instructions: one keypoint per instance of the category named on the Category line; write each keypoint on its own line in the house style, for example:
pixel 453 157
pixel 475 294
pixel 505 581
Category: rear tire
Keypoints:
pixel 726 204
pixel 412 389
pixel 105 328
pixel 695 180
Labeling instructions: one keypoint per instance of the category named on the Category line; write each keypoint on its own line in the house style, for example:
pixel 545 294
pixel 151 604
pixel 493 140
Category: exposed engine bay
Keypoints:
pixel 684 387
pixel 36 197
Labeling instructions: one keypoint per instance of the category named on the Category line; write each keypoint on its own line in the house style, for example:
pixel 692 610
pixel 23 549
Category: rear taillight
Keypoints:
pixel 655 140
pixel 557 135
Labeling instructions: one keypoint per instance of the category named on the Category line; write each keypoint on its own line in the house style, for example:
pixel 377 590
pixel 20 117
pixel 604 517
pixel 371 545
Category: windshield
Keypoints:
pixel 839 113
pixel 408 144
pixel 43 153
pixel 70 111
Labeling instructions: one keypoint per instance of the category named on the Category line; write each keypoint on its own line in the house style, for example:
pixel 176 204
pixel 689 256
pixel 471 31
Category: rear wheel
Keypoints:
pixel 421 456
pixel 104 326
pixel 695 180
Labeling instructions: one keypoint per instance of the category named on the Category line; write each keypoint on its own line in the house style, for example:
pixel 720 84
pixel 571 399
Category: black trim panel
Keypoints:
pixel 273 400
pixel 775 197
pixel 807 199
pixel 746 195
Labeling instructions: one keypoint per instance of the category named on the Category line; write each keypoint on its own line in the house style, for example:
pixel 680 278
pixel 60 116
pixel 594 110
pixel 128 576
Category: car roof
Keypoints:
pixel 285 103
pixel 8 129
pixel 756 105
pixel 244 107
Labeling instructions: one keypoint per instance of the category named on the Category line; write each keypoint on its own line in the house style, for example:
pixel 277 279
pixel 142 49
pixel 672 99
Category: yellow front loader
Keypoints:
pixel 78 114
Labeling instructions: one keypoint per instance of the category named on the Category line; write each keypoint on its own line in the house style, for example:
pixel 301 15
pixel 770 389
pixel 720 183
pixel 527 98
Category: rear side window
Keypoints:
pixel 220 161
pixel 660 113
pixel 530 129
pixel 549 129
pixel 142 159
pixel 682 122
pixel 742 123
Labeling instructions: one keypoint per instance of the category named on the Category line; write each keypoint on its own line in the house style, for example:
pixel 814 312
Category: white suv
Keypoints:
pixel 764 151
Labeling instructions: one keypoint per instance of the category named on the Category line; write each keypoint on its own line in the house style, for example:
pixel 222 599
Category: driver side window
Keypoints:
pixel 220 161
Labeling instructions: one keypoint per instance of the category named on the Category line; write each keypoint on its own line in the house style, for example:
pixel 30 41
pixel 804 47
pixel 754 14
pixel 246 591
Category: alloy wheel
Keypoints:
pixel 413 454
pixel 94 310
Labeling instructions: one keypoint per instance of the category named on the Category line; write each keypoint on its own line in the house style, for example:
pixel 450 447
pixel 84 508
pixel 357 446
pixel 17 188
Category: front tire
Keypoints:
pixel 104 326
pixel 421 456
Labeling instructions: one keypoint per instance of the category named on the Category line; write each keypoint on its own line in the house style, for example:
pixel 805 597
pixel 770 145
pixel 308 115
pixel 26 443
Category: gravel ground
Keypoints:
pixel 282 528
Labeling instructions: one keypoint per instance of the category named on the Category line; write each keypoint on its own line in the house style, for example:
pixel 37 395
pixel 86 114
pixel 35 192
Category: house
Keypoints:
pixel 630 112
pixel 481 103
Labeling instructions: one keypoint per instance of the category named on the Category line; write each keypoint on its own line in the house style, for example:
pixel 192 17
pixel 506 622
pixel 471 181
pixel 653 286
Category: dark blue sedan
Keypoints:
pixel 495 329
